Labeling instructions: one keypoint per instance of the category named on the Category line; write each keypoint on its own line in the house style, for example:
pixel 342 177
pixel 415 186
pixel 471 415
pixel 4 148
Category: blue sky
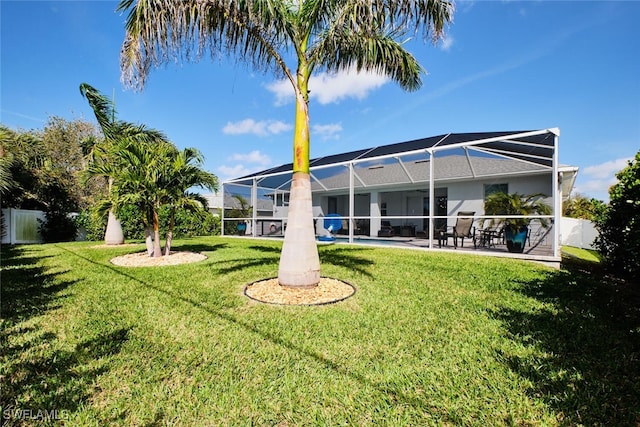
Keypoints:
pixel 504 65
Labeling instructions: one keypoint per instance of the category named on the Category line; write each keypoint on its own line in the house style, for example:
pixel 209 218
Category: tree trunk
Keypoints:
pixel 157 251
pixel 148 240
pixel 299 260
pixel 113 234
pixel 167 244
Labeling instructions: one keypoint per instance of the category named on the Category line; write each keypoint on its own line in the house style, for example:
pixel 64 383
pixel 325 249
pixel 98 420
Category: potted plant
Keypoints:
pixel 516 229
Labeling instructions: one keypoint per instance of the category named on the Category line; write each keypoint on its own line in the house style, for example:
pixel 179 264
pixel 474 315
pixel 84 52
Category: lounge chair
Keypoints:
pixel 463 229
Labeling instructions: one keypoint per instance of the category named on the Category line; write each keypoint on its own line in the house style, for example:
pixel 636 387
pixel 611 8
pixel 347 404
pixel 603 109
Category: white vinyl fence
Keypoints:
pixel 21 226
pixel 579 233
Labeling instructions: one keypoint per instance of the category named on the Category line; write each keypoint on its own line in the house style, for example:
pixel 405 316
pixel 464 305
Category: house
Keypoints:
pixel 417 186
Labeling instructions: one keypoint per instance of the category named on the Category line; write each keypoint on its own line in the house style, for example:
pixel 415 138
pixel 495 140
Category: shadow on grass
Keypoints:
pixel 342 257
pixel 347 258
pixel 27 288
pixel 233 265
pixel 197 247
pixel 37 376
pixel 587 346
pixel 59 380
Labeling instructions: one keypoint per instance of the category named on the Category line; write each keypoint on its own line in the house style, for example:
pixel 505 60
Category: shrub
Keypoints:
pixel 59 203
pixel 619 227
pixel 90 225
pixel 59 226
pixel 188 224
pixel 580 206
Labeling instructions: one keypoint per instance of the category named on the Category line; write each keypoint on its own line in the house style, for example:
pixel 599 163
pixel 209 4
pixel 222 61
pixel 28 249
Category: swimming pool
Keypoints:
pixel 398 243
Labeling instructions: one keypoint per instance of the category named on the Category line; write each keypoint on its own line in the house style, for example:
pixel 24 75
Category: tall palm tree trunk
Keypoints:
pixel 299 260
pixel 113 235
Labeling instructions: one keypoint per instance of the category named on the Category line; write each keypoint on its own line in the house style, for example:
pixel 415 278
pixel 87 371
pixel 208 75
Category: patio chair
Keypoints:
pixel 489 234
pixel 386 230
pixel 463 229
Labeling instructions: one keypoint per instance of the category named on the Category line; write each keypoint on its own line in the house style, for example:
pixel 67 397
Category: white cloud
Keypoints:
pixel 327 88
pixel 598 178
pixel 595 186
pixel 465 5
pixel 446 44
pixel 330 131
pixel 228 172
pixel 254 157
pixel 245 163
pixel 259 128
pixel 282 90
pixel 606 169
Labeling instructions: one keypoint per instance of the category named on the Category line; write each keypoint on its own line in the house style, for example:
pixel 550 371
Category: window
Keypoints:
pixel 383 209
pixel 282 199
pixel 495 188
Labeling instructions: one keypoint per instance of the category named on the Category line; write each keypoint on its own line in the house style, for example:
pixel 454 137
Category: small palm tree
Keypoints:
pixel 185 172
pixel 140 182
pixel 155 174
pixel 322 34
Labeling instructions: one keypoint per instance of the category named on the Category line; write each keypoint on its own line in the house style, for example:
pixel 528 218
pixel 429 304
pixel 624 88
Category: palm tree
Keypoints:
pixel 100 153
pixel 185 172
pixel 323 34
pixel 155 174
pixel 104 110
pixel 141 165
pixel 22 155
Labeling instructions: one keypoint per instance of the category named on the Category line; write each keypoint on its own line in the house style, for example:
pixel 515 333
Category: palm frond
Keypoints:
pixel 377 52
pixel 158 32
pixel 103 108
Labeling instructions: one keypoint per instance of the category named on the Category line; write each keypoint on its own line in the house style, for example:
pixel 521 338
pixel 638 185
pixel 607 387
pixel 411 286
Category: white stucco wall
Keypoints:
pixel 468 195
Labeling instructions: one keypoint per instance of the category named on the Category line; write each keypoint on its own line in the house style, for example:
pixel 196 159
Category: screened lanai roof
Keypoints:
pixel 456 156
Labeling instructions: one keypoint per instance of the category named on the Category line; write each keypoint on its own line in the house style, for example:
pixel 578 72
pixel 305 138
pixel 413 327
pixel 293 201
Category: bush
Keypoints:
pixel 59 203
pixel 619 227
pixel 59 226
pixel 90 226
pixel 580 206
pixel 187 224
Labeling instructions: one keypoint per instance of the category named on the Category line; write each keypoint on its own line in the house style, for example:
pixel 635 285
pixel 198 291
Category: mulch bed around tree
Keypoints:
pixel 328 291
pixel 142 259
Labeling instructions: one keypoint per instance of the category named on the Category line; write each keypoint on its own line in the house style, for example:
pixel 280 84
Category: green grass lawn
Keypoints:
pixel 581 254
pixel 428 339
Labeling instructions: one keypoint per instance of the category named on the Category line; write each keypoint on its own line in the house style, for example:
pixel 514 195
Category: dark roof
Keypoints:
pixel 446 168
pixel 535 147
